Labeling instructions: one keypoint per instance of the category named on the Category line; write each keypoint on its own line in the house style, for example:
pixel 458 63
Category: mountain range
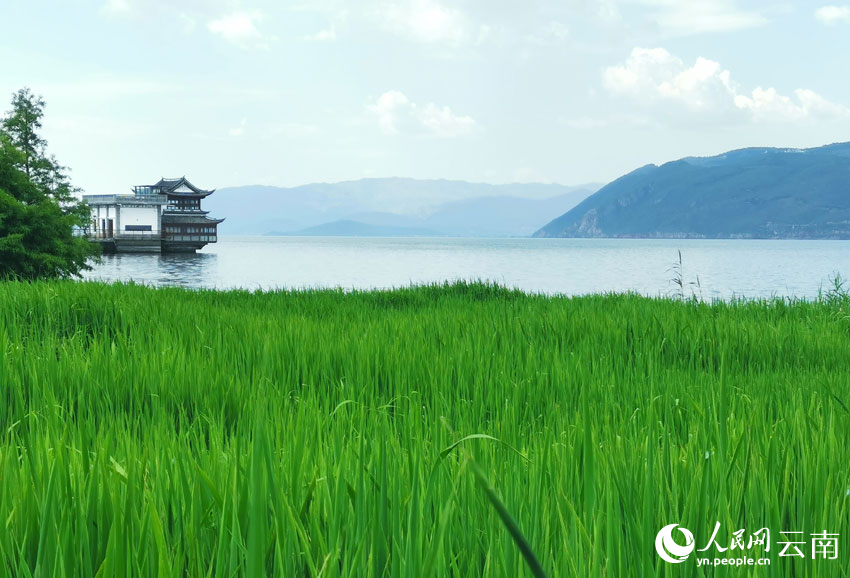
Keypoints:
pixel 394 207
pixel 748 193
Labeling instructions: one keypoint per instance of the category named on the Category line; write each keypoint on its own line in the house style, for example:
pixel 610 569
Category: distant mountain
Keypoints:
pixel 500 216
pixel 750 193
pixel 348 228
pixel 442 207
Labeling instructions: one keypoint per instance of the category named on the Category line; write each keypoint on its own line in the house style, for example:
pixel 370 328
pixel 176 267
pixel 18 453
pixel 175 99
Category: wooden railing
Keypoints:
pixel 147 235
pixel 104 235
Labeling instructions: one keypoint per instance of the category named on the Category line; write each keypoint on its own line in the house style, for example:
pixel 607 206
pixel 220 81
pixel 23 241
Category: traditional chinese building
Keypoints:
pixel 165 217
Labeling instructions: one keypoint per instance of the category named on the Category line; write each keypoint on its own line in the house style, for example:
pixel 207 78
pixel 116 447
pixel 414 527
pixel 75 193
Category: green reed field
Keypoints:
pixel 164 432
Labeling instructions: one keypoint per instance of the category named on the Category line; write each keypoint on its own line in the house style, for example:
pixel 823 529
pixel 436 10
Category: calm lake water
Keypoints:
pixel 570 266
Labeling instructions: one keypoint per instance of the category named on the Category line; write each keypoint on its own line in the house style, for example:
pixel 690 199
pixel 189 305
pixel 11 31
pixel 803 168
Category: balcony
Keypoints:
pixel 100 235
pixel 176 237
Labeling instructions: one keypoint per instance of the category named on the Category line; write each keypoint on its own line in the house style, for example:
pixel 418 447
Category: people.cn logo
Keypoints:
pixel 667 547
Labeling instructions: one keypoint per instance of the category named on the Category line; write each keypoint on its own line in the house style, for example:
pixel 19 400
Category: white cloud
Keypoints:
pixel 767 104
pixel 685 17
pixel 396 114
pixel 327 35
pixel 440 24
pixel 389 107
pixel 426 21
pixel 188 23
pixel 654 76
pixel 238 130
pixel 654 73
pixel 239 28
pixel 116 7
pixel 441 121
pixel 833 14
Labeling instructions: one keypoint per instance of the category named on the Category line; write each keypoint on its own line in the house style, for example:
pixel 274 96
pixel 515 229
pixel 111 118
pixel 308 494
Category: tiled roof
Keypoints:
pixel 180 186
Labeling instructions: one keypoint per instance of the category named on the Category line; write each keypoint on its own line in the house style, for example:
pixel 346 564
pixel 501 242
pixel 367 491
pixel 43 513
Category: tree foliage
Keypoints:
pixel 39 210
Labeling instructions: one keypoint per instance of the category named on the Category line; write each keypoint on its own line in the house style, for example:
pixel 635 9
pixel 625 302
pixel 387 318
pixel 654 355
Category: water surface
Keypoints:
pixel 723 268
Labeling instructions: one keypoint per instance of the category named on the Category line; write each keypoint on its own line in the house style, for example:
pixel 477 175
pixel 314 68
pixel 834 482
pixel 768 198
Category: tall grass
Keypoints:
pixel 164 432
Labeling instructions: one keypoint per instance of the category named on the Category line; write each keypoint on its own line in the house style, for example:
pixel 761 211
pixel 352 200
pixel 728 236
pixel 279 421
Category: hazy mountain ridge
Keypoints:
pixel 747 193
pixel 349 228
pixel 437 207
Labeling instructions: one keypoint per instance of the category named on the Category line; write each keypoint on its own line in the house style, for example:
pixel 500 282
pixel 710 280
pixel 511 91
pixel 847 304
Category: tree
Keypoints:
pixel 22 125
pixel 39 210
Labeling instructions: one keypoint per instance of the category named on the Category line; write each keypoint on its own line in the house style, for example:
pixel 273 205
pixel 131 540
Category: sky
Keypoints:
pixel 288 92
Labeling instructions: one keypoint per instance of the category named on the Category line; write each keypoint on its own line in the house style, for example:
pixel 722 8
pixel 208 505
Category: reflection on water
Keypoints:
pixel 170 269
pixel 184 269
pixel 725 268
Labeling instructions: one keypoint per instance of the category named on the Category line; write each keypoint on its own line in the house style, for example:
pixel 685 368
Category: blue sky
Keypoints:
pixel 234 92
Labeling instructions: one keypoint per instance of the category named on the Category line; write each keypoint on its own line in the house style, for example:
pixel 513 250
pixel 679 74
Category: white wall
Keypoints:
pixel 139 216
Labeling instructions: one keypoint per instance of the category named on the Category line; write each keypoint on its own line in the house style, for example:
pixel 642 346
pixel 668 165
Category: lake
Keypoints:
pixel 722 268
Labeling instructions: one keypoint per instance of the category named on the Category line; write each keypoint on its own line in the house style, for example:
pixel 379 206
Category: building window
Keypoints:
pixel 137 228
pixel 180 204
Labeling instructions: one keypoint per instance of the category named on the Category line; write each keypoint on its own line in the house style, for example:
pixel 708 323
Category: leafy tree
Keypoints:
pixel 22 125
pixel 38 207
